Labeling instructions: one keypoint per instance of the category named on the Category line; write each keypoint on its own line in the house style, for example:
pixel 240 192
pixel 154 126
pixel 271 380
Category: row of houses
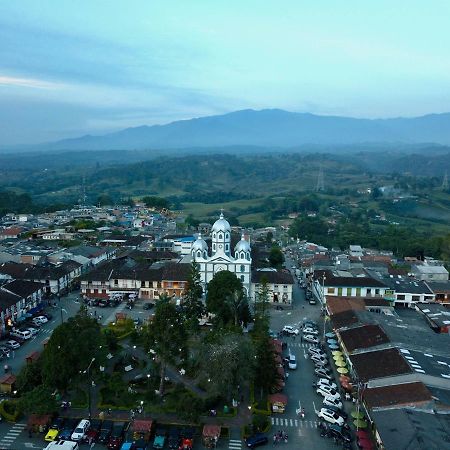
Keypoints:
pixel 400 367
pixel 150 282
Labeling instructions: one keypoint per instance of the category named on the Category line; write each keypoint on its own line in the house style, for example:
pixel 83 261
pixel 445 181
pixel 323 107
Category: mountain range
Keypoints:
pixel 265 128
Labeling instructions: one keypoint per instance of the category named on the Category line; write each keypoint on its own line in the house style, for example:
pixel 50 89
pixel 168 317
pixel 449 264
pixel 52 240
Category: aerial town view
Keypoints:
pixel 224 225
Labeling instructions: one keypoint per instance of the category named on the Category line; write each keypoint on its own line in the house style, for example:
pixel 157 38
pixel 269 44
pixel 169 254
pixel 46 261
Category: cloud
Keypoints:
pixel 28 82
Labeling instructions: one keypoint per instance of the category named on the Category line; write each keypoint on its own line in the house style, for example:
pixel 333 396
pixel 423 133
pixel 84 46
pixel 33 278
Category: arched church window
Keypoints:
pixel 220 236
pixel 242 255
pixel 248 256
pixel 199 254
pixel 227 236
pixel 214 247
pixel 227 247
pixel 242 268
pixel 242 278
pixel 214 235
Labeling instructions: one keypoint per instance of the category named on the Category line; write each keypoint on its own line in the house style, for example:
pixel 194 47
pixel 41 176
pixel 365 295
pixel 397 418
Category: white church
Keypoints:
pixel 221 257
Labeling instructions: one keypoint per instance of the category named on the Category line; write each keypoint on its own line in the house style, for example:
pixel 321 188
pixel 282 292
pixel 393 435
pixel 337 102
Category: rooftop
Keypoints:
pixel 396 395
pixel 379 364
pixel 365 336
pixel 408 429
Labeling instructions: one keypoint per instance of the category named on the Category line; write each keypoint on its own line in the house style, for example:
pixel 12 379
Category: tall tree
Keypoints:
pixel 193 306
pixel 166 337
pixel 70 349
pixel 276 257
pixel 226 298
pixel 228 362
pixel 262 300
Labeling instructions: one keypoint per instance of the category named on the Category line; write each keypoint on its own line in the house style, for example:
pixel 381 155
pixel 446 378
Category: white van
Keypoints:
pixel 22 334
pixel 80 431
pixel 62 445
pixel 292 362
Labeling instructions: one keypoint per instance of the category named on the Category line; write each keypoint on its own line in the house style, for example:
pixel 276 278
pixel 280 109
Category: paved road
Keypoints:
pixel 67 308
pixel 303 433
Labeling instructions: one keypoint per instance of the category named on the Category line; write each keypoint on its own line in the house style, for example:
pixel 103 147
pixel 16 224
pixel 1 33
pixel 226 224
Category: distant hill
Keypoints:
pixel 266 128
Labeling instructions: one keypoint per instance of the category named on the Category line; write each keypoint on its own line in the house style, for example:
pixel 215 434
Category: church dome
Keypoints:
pixel 199 244
pixel 242 246
pixel 221 225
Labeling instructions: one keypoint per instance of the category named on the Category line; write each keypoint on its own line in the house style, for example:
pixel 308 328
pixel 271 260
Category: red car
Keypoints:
pixel 94 430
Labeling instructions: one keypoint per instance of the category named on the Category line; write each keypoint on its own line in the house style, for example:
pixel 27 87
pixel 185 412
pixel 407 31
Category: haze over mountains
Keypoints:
pixel 266 128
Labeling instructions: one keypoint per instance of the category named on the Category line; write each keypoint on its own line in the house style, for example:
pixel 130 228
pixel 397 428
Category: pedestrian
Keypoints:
pixel 275 438
pixel 95 312
pixel 92 444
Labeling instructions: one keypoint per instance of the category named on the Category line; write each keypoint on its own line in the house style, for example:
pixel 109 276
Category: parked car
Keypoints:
pixel 287 329
pixel 93 431
pixel 317 350
pixel 331 401
pixel 66 433
pixel 23 335
pixel 340 411
pixel 316 357
pixel 160 438
pixel 105 432
pixel 54 429
pixel 310 338
pixel 339 432
pixel 80 430
pixel 12 344
pixel 117 435
pixel 41 319
pixel 256 440
pixel 331 416
pixel 292 362
pixel 326 382
pixel 322 372
pixel 309 323
pixel 312 301
pixel 33 331
pixel 328 392
pixel 310 330
pixel 174 439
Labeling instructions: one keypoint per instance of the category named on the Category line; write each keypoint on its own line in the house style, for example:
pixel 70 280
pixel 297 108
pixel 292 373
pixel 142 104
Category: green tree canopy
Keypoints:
pixel 70 349
pixel 166 337
pixel 192 305
pixel 156 202
pixel 226 299
pixel 276 257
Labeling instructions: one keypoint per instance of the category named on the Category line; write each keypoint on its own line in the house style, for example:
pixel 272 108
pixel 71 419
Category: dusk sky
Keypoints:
pixel 69 68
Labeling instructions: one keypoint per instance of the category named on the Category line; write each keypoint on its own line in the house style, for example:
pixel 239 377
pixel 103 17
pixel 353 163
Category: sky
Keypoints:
pixel 69 68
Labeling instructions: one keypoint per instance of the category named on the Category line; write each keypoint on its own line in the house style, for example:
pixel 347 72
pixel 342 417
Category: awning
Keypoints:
pixel 211 431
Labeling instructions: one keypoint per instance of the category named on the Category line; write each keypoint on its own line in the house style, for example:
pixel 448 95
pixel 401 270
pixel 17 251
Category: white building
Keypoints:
pixel 221 257
pixel 426 272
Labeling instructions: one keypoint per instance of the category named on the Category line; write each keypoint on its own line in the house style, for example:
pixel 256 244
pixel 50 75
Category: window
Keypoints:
pixel 276 286
pixel 199 254
pixel 116 282
pixel 331 290
pixel 400 297
pixel 242 268
pixel 242 255
pixel 377 292
pixel 242 278
pixel 227 236
pixel 369 291
pixel 214 247
pixel 220 236
pixel 415 298
pixel 285 287
pixel 227 247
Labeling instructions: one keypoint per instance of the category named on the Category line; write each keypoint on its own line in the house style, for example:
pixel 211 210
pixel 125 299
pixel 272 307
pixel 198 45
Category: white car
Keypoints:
pixel 80 431
pixel 322 372
pixel 325 391
pixel 41 319
pixel 33 331
pixel 292 363
pixel 309 330
pixel 330 401
pixel 310 338
pixel 331 416
pixel 12 344
pixel 326 382
pixel 290 330
pixel 319 354
pixel 319 358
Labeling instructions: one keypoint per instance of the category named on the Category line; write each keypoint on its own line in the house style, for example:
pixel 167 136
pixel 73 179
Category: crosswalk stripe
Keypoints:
pixel 291 423
pixel 273 420
pixel 296 422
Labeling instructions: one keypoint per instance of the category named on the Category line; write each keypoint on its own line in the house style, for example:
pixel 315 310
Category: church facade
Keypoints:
pixel 223 257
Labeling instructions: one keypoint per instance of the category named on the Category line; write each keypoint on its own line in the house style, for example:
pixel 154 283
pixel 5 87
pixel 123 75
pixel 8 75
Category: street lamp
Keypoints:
pixel 88 371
